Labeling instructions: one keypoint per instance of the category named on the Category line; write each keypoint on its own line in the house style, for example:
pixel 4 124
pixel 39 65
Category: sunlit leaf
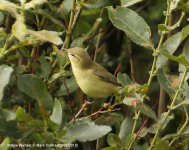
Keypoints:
pixel 19 28
pixel 126 3
pixel 22 115
pixel 57 112
pixel 44 35
pixel 4 144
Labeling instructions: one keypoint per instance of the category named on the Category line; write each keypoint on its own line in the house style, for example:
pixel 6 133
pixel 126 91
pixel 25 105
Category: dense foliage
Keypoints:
pixel 146 41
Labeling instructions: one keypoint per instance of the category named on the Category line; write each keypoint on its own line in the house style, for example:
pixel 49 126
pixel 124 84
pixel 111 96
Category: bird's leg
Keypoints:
pixel 108 104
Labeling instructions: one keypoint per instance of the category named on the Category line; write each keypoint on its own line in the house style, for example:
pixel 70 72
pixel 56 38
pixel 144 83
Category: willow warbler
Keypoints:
pixel 92 78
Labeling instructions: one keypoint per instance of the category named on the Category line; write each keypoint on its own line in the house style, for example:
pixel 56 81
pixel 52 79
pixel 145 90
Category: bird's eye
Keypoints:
pixel 73 55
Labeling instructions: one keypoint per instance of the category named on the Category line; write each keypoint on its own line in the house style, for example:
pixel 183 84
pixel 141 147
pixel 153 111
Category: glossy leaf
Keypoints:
pixel 36 88
pixel 25 52
pixel 136 29
pixel 114 140
pixel 5 73
pixel 84 129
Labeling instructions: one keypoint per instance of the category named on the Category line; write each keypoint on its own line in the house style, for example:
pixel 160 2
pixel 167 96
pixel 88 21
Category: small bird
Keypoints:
pixel 93 79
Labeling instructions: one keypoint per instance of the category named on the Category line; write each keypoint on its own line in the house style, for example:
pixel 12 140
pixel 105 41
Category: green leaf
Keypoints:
pixel 153 128
pixel 10 115
pixel 124 79
pixel 25 52
pixel 114 140
pixel 71 85
pixel 180 59
pixel 169 83
pixel 44 69
pixel 126 129
pixel 19 28
pixel 111 148
pixel 46 14
pixel 65 8
pixel 22 115
pixel 136 29
pixel 95 4
pixel 173 5
pixel 145 109
pixel 40 124
pixel 34 3
pixel 126 3
pixel 84 129
pixel 2 120
pixel 36 88
pixel 184 102
pixel 5 73
pixel 185 53
pixel 79 41
pixel 162 145
pixel 185 32
pixel 2 17
pixel 129 139
pixel 4 144
pixel 37 139
pixel 16 130
pixel 27 41
pixel 48 36
pixel 171 45
pixel 60 133
pixel 10 7
pixel 57 112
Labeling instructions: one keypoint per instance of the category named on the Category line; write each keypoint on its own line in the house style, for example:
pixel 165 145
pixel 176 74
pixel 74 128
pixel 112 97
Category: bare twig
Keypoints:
pixel 137 134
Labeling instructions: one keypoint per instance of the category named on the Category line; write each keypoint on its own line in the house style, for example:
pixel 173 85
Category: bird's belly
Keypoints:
pixel 94 87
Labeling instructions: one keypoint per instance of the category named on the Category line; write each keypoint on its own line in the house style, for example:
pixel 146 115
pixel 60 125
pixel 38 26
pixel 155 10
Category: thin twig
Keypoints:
pixel 119 65
pixel 101 112
pixel 137 134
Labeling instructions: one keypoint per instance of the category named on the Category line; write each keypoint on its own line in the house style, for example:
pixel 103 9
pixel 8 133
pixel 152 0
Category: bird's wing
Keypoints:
pixel 102 74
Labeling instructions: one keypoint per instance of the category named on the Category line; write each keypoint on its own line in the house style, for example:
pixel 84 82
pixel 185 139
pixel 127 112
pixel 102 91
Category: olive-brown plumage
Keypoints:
pixel 92 78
